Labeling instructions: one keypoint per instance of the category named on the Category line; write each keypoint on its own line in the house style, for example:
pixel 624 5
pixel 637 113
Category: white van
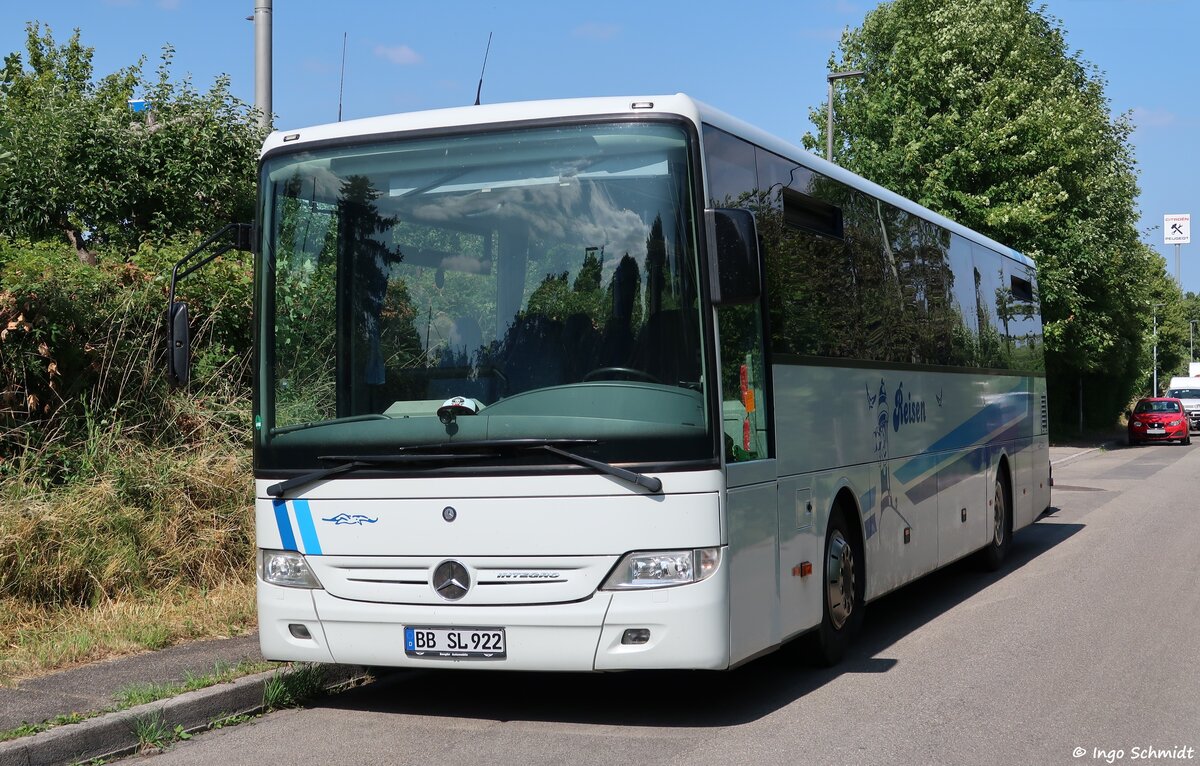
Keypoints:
pixel 1187 390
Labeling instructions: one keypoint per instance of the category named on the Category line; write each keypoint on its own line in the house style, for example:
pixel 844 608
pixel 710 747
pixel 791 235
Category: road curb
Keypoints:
pixel 1083 453
pixel 113 735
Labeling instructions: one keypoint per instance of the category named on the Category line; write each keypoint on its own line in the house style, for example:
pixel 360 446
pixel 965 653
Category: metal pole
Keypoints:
pixel 1154 391
pixel 1178 280
pixel 262 61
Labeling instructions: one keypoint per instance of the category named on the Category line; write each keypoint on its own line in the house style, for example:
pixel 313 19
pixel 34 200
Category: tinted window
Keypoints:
pixel 1017 308
pixel 851 276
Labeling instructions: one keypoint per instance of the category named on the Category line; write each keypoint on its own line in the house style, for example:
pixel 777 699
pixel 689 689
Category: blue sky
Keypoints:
pixel 761 61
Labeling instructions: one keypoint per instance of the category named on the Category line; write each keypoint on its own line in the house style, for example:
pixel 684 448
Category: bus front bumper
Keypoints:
pixel 688 629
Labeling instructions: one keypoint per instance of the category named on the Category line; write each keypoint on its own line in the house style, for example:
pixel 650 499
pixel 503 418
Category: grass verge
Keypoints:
pixel 40 639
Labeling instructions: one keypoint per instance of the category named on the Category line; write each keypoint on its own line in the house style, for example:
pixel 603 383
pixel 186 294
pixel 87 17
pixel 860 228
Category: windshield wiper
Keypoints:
pixel 355 462
pixel 449 451
pixel 552 446
pixel 642 480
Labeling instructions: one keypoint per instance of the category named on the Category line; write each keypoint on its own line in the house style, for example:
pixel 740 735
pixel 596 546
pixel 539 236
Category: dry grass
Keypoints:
pixel 154 548
pixel 36 640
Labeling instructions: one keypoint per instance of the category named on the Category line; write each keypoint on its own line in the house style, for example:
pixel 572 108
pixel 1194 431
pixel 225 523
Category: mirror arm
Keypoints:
pixel 238 236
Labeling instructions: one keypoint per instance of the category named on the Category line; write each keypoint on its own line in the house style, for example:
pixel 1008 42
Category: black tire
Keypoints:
pixel 843 588
pixel 996 551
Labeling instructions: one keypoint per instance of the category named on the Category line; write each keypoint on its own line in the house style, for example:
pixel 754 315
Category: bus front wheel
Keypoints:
pixel 842 592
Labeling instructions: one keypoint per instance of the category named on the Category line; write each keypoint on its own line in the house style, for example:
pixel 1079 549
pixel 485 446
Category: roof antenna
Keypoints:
pixel 479 90
pixel 342 77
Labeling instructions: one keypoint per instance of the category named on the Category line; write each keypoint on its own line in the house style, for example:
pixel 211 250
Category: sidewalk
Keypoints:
pixel 91 688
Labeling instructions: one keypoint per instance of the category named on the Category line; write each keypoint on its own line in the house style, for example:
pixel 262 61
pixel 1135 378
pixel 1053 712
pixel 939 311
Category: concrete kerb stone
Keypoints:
pixel 114 734
pixel 1071 458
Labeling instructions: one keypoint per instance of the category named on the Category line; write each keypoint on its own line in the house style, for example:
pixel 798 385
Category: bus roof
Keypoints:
pixel 678 105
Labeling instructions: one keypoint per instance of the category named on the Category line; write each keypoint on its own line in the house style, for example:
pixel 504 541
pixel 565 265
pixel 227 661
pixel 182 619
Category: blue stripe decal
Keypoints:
pixel 1012 411
pixel 308 532
pixel 287 539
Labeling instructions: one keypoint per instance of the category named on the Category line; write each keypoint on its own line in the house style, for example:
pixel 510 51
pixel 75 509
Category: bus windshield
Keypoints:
pixel 524 284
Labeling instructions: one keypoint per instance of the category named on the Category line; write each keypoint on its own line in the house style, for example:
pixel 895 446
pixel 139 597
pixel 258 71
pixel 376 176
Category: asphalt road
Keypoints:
pixel 1083 649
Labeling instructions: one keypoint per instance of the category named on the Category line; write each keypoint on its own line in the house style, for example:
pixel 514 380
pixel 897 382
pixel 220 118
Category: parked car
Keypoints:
pixel 1158 419
pixel 1187 390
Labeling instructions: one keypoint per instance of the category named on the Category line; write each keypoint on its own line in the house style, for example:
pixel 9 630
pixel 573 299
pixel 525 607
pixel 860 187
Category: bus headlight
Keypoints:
pixel 663 569
pixel 287 569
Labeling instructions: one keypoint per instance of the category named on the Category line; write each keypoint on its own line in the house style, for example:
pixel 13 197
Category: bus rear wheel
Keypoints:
pixel 994 554
pixel 842 592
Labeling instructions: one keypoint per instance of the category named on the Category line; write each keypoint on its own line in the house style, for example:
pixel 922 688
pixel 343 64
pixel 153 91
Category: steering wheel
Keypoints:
pixel 628 372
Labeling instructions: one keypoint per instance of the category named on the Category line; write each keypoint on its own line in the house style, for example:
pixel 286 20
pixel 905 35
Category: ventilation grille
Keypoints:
pixel 1045 417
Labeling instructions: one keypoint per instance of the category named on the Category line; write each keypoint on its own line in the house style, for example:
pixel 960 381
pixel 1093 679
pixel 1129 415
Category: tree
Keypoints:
pixel 78 164
pixel 975 109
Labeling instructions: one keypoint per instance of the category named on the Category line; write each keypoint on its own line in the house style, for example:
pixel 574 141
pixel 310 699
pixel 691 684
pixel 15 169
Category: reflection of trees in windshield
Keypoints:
pixel 630 317
pixel 304 340
pixel 367 260
pixel 486 280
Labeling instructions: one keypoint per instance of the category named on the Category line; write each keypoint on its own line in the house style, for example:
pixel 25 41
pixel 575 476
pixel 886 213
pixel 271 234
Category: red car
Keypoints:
pixel 1158 419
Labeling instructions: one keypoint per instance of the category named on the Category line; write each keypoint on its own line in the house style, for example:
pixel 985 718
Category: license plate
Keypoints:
pixel 1156 430
pixel 455 643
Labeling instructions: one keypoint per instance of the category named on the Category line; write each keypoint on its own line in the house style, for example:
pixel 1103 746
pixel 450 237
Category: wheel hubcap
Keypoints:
pixel 840 580
pixel 999 531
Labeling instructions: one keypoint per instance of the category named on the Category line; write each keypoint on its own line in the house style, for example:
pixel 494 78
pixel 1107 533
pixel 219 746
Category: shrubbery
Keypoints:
pixel 119 498
pixel 110 483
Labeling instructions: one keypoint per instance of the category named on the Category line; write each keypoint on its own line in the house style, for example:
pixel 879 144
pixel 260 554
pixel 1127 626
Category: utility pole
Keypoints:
pixel 1154 334
pixel 262 61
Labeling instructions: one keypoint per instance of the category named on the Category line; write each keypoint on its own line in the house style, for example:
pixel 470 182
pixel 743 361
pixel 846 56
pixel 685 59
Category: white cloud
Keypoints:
pixel 398 54
pixel 596 31
pixel 1144 117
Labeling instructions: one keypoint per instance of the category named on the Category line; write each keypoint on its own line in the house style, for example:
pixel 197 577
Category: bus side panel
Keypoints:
pixel 799 596
pixel 963 505
pixel 750 511
pixel 805 505
pixel 1038 463
pixel 932 438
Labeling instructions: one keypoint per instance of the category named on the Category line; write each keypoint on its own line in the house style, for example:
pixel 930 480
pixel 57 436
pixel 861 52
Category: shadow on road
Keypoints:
pixel 697 698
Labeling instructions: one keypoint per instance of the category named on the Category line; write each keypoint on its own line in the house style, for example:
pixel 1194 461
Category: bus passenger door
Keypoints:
pixel 751 479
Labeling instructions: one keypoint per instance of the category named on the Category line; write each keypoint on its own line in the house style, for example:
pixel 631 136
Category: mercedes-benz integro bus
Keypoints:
pixel 618 383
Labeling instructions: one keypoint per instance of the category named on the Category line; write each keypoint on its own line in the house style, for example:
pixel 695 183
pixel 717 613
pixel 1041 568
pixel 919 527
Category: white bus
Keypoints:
pixel 618 383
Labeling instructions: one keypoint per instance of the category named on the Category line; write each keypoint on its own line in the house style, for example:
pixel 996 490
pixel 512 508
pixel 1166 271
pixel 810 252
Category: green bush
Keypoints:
pixel 111 484
pixel 82 348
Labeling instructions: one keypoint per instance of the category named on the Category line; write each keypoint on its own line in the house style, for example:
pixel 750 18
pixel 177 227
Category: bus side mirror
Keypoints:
pixel 732 256
pixel 178 344
pixel 235 236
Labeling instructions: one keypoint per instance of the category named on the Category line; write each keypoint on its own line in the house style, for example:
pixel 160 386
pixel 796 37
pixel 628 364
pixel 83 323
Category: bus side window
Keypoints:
pixel 733 182
pixel 743 383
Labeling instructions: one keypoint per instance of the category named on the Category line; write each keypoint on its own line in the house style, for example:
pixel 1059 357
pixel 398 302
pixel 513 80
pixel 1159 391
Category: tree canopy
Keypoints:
pixel 76 162
pixel 977 110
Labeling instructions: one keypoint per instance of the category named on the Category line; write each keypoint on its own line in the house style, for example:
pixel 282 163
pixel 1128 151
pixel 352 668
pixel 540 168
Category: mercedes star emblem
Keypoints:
pixel 451 580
